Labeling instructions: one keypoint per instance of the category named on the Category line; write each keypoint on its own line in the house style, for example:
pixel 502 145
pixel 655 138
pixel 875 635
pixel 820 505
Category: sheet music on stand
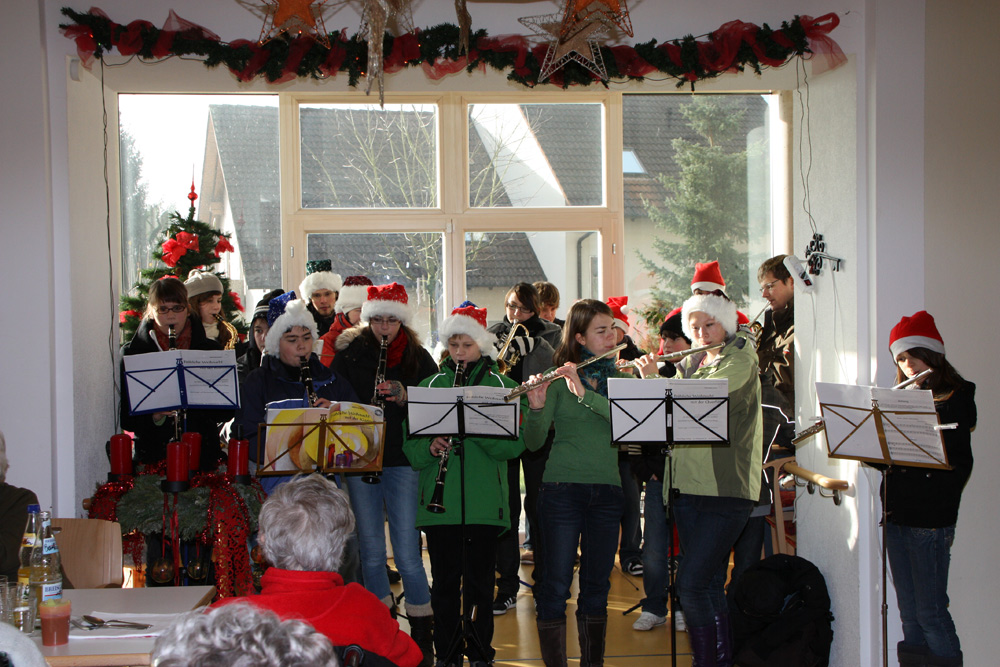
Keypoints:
pixel 664 411
pixel 879 425
pixel 181 379
pixel 345 437
pixel 465 411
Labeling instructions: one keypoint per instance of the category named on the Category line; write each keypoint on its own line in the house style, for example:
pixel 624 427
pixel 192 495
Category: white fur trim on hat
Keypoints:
pixel 319 280
pixel 720 309
pixel 351 297
pixel 296 314
pixel 385 309
pixel 910 342
pixel 463 324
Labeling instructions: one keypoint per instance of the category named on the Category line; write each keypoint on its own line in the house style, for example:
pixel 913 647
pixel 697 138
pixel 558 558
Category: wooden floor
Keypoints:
pixel 516 640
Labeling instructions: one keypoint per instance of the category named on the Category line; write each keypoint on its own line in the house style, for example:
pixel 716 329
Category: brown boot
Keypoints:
pixel 422 632
pixel 592 630
pixel 552 640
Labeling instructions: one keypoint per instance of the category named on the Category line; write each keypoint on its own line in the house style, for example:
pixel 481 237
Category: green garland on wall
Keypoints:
pixel 733 47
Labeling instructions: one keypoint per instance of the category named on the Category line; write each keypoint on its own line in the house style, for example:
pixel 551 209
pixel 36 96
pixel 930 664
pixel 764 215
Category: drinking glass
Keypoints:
pixel 6 601
pixel 24 608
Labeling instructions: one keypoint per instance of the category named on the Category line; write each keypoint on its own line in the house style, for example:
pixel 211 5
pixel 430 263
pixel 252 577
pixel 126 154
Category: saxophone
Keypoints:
pixel 234 335
pixel 436 504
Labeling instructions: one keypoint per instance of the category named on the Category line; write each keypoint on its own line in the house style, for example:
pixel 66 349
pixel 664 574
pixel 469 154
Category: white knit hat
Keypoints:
pixel 285 312
pixel 202 282
pixel 722 310
pixel 471 321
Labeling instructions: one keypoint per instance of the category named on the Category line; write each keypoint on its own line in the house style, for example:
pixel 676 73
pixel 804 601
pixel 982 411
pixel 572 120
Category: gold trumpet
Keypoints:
pixel 552 375
pixel 507 358
pixel 234 335
pixel 673 356
pixel 756 326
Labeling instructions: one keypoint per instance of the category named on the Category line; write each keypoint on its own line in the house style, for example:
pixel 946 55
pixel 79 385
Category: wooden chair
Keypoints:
pixel 91 551
pixel 782 518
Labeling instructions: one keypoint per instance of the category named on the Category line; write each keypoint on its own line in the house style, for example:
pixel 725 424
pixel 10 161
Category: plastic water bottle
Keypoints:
pixel 46 573
pixel 28 544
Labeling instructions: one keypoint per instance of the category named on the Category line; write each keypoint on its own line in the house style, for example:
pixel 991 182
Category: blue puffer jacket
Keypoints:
pixel 274 381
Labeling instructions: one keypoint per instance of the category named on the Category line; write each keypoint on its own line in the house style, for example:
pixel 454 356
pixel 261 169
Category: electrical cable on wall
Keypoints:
pixel 112 352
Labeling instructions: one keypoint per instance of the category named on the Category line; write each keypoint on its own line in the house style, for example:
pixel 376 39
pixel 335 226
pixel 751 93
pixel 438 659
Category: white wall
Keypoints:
pixel 961 240
pixel 868 187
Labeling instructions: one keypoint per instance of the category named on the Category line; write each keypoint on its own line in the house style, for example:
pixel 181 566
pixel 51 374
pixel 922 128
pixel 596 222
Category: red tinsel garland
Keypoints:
pixel 104 505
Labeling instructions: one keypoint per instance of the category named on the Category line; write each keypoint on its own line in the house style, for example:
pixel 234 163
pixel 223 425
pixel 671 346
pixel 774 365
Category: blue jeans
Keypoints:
pixel 708 526
pixel 655 551
pixel 631 537
pixel 396 496
pixel 587 515
pixel 919 560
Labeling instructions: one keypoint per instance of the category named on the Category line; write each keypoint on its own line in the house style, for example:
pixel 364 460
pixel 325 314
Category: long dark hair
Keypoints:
pixel 944 380
pixel 578 319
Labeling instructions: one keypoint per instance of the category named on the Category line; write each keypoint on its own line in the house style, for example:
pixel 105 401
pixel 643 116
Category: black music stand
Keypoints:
pixel 448 408
pixel 882 427
pixel 647 413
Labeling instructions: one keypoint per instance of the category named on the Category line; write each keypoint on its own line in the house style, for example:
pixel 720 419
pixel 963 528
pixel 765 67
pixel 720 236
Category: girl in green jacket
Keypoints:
pixel 483 462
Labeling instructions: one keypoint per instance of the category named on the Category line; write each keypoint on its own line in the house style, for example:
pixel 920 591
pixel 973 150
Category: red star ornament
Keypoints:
pixel 583 11
pixel 294 16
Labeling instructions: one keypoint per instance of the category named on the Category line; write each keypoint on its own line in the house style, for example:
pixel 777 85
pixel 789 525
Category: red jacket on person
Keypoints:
pixel 340 324
pixel 345 614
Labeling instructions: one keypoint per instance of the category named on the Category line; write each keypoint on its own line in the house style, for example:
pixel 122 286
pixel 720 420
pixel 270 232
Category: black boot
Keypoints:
pixel 592 631
pixel 911 654
pixel 703 645
pixel 552 641
pixel 422 632
pixel 723 641
pixel 931 660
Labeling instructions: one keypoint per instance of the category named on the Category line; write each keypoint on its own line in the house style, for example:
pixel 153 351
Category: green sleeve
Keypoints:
pixel 597 404
pixel 417 450
pixel 739 367
pixel 535 427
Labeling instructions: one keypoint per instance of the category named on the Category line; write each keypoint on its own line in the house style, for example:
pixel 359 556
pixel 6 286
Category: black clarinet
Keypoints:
pixel 436 504
pixel 172 345
pixel 377 399
pixel 305 374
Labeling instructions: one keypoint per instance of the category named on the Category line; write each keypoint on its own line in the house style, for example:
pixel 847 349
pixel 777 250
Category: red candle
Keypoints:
pixel 121 454
pixel 239 457
pixel 193 441
pixel 177 462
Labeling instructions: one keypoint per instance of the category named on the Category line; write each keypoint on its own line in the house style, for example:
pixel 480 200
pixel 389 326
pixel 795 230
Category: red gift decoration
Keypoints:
pixel 223 246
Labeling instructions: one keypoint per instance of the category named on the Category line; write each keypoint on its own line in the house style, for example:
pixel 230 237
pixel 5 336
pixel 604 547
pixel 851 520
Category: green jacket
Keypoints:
pixel 717 470
pixel 581 451
pixel 486 500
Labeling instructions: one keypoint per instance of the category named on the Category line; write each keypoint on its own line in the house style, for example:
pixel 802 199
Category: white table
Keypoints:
pixel 121 652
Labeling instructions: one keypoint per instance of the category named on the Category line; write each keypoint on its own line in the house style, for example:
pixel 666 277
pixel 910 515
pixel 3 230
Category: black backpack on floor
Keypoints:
pixel 780 614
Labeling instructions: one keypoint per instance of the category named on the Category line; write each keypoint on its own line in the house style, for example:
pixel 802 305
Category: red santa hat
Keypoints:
pixel 319 275
pixel 619 309
pixel 353 294
pixel 721 309
pixel 707 277
pixel 471 321
pixel 387 301
pixel 916 331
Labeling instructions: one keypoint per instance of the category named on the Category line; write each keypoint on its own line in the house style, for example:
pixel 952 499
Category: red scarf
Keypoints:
pixel 183 338
pixel 396 348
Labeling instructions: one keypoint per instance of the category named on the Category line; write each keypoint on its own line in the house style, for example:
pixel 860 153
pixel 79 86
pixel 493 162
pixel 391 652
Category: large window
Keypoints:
pixel 460 196
pixel 696 187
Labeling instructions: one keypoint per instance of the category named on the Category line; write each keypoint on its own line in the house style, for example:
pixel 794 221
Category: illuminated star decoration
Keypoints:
pixel 579 12
pixel 579 44
pixel 294 16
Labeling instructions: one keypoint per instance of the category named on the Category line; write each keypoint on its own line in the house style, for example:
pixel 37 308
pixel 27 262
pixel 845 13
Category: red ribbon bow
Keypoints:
pixel 223 246
pixel 175 248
